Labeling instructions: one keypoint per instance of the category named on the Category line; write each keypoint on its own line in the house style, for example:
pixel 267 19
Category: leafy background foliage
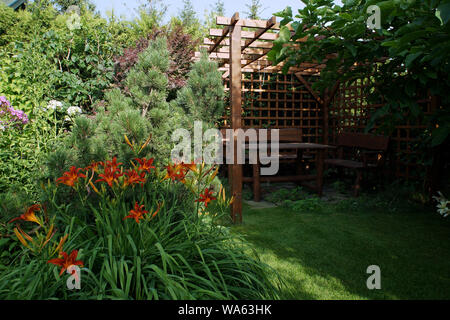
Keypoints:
pixel 408 56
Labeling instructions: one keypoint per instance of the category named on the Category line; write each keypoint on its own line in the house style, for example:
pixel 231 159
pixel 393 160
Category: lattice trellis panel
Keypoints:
pixel 350 112
pixel 274 100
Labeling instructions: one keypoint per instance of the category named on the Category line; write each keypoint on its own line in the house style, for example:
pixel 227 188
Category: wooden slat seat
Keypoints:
pixel 282 156
pixel 367 152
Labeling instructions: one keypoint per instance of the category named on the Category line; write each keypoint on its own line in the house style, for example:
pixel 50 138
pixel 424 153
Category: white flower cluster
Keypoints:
pixel 442 205
pixel 53 105
pixel 72 112
pixel 73 21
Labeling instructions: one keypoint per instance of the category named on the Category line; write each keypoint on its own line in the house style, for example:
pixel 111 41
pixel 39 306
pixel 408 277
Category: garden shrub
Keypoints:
pixel 24 140
pixel 55 56
pixel 181 49
pixel 203 96
pixel 143 115
pixel 278 196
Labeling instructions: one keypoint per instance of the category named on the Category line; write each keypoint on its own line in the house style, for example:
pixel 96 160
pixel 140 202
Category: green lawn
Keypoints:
pixel 325 254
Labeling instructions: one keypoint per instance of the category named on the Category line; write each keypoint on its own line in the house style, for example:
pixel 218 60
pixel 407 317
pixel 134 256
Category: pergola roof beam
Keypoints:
pixel 225 31
pixel 247 23
pixel 257 58
pixel 269 24
pixel 246 51
pixel 226 55
pixel 226 43
pixel 245 34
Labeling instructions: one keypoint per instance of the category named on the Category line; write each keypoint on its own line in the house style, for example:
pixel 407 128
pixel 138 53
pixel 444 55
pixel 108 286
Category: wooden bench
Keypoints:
pixel 367 151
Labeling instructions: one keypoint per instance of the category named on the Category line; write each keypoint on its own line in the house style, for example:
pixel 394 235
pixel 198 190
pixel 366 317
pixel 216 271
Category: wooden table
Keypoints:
pixel 256 179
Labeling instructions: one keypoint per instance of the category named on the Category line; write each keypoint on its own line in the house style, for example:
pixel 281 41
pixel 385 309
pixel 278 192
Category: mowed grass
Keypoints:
pixel 325 254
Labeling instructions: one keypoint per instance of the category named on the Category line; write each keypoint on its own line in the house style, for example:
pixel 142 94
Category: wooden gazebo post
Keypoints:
pixel 236 118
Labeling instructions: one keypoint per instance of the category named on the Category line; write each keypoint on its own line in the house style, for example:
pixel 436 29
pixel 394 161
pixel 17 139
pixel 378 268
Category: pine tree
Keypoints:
pixel 203 97
pixel 147 81
pixel 187 15
pixel 188 19
pixel 219 8
pixel 254 10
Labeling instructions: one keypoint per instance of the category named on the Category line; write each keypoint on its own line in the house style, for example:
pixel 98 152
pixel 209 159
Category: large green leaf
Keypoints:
pixel 411 57
pixel 439 135
pixel 351 48
pixel 443 12
pixel 284 35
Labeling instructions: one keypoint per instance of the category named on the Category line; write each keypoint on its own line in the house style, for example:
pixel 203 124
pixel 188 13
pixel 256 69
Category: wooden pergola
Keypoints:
pixel 242 47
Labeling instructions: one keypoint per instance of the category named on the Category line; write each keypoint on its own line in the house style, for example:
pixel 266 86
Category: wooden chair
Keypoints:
pixel 367 151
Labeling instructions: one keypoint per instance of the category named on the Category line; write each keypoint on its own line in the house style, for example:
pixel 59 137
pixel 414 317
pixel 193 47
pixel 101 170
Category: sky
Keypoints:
pixel 126 7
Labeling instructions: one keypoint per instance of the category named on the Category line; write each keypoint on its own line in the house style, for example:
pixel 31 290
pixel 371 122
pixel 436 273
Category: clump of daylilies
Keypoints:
pixel 40 241
pixel 110 181
pixel 198 178
pixel 111 175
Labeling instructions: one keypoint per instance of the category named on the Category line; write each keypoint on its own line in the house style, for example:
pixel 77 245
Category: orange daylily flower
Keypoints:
pixel 206 197
pixel 66 261
pixel 175 172
pixel 29 214
pixel 113 164
pixel 137 213
pixel 107 176
pixel 189 166
pixel 145 165
pixel 69 178
pixel 94 166
pixel 133 178
pixel 111 172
